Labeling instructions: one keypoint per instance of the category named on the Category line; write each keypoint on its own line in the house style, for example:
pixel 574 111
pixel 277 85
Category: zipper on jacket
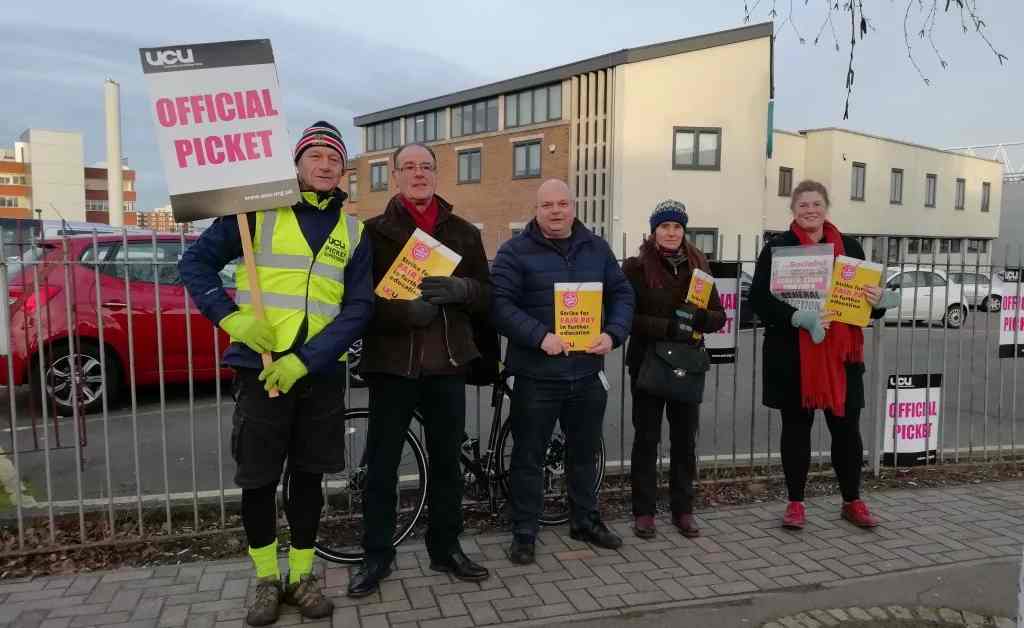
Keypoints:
pixel 447 345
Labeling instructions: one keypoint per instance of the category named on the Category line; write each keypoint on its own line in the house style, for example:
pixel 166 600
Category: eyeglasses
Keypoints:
pixel 425 167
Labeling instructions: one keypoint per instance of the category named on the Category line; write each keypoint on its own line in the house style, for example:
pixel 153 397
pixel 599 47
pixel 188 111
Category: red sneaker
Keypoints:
pixel 643 527
pixel 687 525
pixel 795 517
pixel 857 513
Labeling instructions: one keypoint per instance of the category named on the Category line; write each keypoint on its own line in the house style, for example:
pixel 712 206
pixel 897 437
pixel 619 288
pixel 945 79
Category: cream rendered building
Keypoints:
pixel 687 119
pixel 920 202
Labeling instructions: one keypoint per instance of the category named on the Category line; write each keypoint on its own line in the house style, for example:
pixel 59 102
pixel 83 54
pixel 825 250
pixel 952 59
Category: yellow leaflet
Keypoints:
pixel 699 292
pixel 578 313
pixel 846 302
pixel 422 255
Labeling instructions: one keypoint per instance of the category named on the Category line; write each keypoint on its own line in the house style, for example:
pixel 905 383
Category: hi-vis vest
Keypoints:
pixel 296 286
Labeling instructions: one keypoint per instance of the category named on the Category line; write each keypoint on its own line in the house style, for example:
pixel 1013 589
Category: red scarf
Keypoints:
pixel 823 366
pixel 426 219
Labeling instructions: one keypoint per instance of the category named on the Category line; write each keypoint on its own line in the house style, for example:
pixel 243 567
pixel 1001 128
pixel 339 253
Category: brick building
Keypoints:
pixel 44 176
pixel 161 219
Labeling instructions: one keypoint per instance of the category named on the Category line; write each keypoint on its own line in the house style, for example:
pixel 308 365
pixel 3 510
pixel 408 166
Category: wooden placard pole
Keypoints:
pixel 254 283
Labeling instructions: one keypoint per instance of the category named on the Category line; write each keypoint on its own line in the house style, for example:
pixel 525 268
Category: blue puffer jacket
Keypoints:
pixel 524 273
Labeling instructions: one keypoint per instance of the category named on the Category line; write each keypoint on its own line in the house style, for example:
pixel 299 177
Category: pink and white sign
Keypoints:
pixel 220 131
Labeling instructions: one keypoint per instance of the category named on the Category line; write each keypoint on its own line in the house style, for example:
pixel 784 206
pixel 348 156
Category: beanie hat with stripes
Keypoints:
pixel 322 134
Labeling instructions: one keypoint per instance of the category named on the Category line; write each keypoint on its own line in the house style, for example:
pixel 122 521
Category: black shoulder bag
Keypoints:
pixel 674 371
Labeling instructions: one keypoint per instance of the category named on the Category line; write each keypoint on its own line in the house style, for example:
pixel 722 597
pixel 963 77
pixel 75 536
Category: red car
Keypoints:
pixel 152 286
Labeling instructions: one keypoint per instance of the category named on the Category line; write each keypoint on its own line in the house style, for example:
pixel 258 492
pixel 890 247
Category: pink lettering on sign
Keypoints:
pixel 848 272
pixel 218 149
pixel 420 251
pixel 698 285
pixel 570 299
pixel 219 107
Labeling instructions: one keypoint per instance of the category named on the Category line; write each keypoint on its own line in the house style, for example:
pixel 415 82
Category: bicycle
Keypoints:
pixel 485 477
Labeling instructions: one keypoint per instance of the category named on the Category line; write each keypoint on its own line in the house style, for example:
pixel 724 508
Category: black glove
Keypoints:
pixel 687 319
pixel 421 313
pixel 444 290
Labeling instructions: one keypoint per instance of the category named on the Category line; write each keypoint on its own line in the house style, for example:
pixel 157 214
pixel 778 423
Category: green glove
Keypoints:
pixel 889 300
pixel 283 373
pixel 257 334
pixel 811 321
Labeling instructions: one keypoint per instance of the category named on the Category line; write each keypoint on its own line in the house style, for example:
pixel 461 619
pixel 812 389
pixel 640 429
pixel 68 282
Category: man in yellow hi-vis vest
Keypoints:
pixel 314 270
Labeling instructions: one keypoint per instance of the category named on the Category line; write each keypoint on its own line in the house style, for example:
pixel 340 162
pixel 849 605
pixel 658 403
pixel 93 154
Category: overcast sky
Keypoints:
pixel 337 60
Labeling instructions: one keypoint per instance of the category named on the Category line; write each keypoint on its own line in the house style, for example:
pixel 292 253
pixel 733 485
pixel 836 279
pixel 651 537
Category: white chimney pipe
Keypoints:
pixel 115 196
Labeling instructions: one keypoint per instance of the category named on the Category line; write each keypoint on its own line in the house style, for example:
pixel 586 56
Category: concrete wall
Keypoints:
pixel 1010 245
pixel 789 151
pixel 727 87
pixel 58 173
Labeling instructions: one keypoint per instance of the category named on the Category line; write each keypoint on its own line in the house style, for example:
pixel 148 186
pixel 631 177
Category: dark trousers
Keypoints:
pixel 305 501
pixel 847 450
pixel 578 406
pixel 683 421
pixel 442 403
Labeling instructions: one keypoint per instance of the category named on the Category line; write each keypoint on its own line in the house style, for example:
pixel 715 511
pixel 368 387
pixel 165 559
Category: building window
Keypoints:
pixel 516 227
pixel 986 195
pixel 8 201
pixel 5 180
pixel 920 245
pixel 896 186
pixel 469 166
pixel 894 254
pixel 704 239
pixel 931 184
pixel 97 206
pixel 475 117
pixel 785 181
pixel 425 127
pixel 961 192
pixel 696 148
pixel 857 181
pixel 949 245
pixel 977 246
pixel 379 177
pixel 533 106
pixel 353 187
pixel 526 160
pixel 384 135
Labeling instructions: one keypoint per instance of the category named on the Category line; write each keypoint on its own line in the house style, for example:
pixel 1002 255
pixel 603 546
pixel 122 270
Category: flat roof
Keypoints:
pixel 562 72
pixel 896 141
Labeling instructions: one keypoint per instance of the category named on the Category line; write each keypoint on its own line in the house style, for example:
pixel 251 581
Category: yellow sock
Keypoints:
pixel 300 563
pixel 265 560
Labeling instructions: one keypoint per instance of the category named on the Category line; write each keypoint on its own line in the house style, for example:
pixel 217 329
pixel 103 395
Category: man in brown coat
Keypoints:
pixel 415 355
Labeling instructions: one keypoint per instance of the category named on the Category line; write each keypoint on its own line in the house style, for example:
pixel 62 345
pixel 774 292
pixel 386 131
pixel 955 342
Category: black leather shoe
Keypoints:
pixel 459 565
pixel 366 581
pixel 521 552
pixel 597 534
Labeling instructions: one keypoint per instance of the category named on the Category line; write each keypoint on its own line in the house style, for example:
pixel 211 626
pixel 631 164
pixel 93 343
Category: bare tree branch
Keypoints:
pixel 925 14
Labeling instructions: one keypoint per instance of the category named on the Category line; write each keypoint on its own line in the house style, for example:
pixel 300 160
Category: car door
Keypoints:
pixel 152 278
pixel 939 288
pixel 911 286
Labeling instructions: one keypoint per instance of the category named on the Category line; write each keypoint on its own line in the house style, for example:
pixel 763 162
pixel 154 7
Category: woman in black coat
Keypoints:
pixel 660 277
pixel 810 364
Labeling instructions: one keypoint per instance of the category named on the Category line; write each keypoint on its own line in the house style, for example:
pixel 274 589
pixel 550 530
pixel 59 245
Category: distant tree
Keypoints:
pixel 919 18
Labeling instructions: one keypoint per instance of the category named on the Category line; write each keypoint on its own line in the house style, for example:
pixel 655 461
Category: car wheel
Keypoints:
pixel 992 303
pixel 955 316
pixel 85 364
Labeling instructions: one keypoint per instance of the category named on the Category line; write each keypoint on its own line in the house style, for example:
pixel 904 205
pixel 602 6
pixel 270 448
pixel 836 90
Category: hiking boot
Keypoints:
pixel 857 513
pixel 643 527
pixel 306 595
pixel 266 605
pixel 795 517
pixel 687 525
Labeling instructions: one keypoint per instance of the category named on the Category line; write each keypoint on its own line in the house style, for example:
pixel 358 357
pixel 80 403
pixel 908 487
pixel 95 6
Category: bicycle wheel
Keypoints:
pixel 340 535
pixel 556 493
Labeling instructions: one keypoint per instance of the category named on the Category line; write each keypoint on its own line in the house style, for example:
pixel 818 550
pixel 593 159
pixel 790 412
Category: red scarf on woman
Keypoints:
pixel 823 366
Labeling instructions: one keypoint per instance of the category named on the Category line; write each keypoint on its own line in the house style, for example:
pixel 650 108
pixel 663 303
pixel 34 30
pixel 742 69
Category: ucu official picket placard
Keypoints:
pixel 220 129
pixel 912 405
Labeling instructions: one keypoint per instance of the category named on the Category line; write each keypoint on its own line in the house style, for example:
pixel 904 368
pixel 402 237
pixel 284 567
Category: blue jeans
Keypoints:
pixel 579 406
